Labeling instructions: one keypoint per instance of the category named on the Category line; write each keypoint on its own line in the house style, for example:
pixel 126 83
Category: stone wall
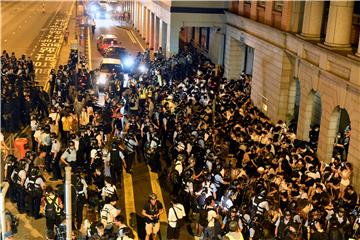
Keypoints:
pixel 279 58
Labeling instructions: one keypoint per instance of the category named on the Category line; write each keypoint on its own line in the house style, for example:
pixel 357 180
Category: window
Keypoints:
pixel 278 6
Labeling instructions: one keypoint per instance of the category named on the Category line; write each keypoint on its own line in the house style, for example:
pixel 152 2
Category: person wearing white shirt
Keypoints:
pixel 109 212
pixel 212 215
pixel 33 125
pixel 55 156
pixel 176 213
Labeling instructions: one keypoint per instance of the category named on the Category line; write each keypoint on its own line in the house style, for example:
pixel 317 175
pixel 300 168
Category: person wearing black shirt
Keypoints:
pixel 152 210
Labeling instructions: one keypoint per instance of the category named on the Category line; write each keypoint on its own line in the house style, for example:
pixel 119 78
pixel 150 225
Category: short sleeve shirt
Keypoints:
pixel 152 209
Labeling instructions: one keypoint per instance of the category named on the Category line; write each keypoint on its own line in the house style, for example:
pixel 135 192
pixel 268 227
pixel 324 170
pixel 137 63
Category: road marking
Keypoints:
pixel 131 37
pixel 138 41
pixel 89 50
pixel 129 199
pixel 155 186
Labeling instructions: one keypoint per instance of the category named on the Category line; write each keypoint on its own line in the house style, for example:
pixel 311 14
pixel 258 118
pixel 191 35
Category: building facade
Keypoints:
pixel 304 57
pixel 169 24
pixel 304 61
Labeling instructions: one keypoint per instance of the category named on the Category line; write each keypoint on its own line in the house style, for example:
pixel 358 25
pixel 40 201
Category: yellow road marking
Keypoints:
pixel 138 41
pixel 155 186
pixel 47 83
pixel 131 37
pixel 129 199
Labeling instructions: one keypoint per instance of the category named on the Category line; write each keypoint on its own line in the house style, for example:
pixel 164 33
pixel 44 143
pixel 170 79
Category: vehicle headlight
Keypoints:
pixel 128 61
pixel 142 68
pixel 101 80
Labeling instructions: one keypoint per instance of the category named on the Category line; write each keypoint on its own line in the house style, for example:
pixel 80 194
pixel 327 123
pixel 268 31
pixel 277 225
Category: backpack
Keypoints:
pixel 174 176
pixel 50 209
pixel 14 221
pixel 203 216
pixel 104 215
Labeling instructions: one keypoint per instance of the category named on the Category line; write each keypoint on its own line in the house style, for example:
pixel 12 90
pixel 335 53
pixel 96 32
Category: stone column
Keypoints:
pixel 339 25
pixel 160 33
pixel 142 27
pixel 253 10
pixel 152 30
pixel 268 12
pixel 139 10
pixel 172 45
pixel 358 49
pixel 148 26
pixel 157 33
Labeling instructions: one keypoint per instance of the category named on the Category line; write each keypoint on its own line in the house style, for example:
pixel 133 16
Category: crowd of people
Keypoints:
pixel 20 96
pixel 232 173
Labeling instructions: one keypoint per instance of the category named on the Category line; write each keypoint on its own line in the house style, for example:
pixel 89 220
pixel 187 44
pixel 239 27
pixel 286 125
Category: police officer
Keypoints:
pixel 34 186
pixel 45 146
pixel 68 158
pixel 81 197
pixel 10 165
pixel 117 162
pixel 18 177
pixel 155 144
pixel 55 155
pixel 259 203
pixel 130 143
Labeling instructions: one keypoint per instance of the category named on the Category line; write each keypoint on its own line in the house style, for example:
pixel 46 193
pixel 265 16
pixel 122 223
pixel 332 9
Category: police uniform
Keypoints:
pixel 18 177
pixel 55 155
pixel 116 165
pixel 81 196
pixel 34 184
pixel 130 152
pixel 69 156
pixel 46 147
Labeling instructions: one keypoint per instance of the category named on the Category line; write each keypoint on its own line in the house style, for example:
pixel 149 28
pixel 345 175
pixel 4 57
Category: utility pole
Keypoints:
pixel 68 202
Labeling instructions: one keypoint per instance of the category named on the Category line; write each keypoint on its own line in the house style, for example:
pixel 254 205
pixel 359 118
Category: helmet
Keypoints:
pixel 35 171
pixel 11 158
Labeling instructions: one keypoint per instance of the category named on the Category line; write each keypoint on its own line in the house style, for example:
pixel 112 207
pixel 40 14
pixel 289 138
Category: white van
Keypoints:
pixel 107 66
